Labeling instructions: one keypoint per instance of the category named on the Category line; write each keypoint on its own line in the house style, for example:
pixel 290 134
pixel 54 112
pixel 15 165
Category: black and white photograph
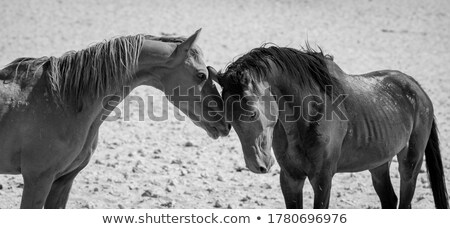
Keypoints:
pixel 209 104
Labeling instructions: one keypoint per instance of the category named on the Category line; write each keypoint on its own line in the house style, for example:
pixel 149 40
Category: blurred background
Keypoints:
pixel 174 164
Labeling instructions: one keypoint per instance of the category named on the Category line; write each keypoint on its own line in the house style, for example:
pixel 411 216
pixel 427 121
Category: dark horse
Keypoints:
pixel 51 108
pixel 324 121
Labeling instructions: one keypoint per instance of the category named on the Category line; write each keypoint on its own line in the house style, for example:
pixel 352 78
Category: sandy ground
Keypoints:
pixel 173 164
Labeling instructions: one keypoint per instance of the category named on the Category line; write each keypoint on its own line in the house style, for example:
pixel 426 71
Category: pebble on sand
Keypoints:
pixel 217 204
pixel 148 193
pixel 168 204
pixel 240 169
pixel 245 199
pixel 176 162
pixel 188 144
pixel 266 186
pixel 157 151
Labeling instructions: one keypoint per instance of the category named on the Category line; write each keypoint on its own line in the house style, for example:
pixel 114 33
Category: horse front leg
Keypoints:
pixel 321 184
pixel 35 190
pixel 60 189
pixel 292 189
pixel 59 193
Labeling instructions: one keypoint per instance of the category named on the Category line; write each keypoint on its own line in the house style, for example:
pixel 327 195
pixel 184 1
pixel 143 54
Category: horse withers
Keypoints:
pixel 51 108
pixel 324 121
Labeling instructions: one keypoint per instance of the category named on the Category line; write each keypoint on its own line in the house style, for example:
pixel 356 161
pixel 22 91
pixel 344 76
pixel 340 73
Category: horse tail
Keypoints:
pixel 435 170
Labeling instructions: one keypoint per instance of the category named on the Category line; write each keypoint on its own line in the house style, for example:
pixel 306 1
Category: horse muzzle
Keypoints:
pixel 262 163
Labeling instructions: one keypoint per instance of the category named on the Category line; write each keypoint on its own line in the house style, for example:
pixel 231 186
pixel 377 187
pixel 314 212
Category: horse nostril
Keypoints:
pixel 229 126
pixel 262 169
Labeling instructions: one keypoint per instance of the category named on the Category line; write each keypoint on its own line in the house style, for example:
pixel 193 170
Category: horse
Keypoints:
pixel 51 108
pixel 320 121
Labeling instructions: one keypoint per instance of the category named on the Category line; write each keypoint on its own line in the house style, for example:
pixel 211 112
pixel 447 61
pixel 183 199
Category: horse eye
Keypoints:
pixel 254 115
pixel 201 76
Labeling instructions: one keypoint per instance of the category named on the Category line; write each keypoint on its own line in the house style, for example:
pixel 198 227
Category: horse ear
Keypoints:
pixel 213 75
pixel 181 51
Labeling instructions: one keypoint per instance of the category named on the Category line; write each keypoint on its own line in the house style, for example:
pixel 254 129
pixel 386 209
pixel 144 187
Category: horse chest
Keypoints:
pixel 291 158
pixel 295 164
pixel 85 154
pixel 288 152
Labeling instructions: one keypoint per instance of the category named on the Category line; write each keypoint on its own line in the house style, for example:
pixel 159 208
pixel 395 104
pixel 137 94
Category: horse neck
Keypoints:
pixel 151 71
pixel 152 65
pixel 155 53
pixel 96 109
pixel 100 107
pixel 87 98
pixel 292 99
pixel 334 69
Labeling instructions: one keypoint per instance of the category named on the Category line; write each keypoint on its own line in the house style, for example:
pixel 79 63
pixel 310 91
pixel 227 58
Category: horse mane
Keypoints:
pixel 99 69
pixel 15 69
pixel 96 70
pixel 305 66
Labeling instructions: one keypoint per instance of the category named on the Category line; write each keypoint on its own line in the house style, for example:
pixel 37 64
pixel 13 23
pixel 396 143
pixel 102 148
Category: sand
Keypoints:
pixel 174 164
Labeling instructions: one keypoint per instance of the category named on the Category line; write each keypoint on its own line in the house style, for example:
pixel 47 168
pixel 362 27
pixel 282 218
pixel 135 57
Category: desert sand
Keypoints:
pixel 173 163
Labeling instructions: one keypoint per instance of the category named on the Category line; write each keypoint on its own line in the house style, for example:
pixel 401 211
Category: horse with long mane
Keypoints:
pixel 321 121
pixel 51 108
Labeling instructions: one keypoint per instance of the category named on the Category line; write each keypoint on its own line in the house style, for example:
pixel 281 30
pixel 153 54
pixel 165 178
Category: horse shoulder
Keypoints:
pixel 280 143
pixel 290 155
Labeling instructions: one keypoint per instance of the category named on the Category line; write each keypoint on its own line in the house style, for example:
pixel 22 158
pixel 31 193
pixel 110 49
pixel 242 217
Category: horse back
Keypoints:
pixel 383 109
